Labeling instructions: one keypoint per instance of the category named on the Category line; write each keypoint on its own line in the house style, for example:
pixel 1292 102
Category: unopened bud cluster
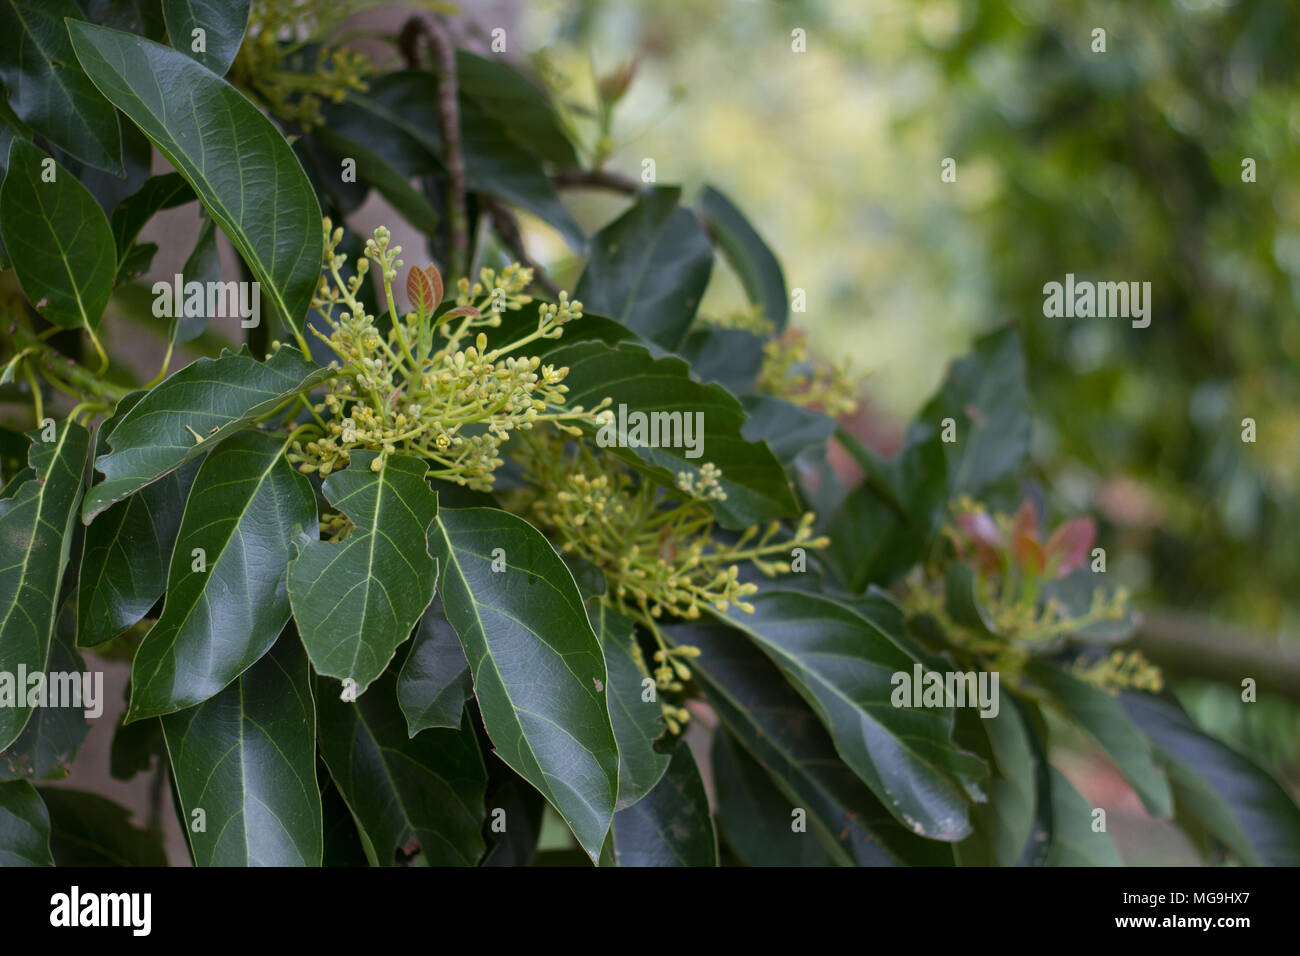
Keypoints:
pixel 789 373
pixel 1121 670
pixel 416 389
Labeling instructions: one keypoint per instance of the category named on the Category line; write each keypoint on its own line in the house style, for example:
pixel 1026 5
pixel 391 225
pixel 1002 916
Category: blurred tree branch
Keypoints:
pixel 1193 645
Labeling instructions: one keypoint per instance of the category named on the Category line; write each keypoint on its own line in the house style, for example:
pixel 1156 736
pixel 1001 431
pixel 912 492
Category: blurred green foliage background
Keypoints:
pixel 1123 165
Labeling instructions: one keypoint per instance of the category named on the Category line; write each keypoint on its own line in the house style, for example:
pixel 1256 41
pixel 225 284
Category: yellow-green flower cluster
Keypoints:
pixel 750 319
pixel 658 551
pixel 789 373
pixel 282 32
pixel 1121 670
pixel 421 388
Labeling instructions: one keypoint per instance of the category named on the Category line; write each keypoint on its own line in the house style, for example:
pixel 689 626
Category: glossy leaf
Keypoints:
pixel 754 817
pixel 237 161
pixel 124 560
pixel 649 267
pixel 637 722
pixel 225 606
pixel 50 741
pixel 1243 806
pixel 524 110
pixel 247 759
pixel 1102 717
pixel 783 734
pixel 747 253
pixel 89 830
pixel 843 666
pixel 755 483
pixel 223 23
pixel 374 168
pixel 355 601
pixel 158 193
pixel 47 88
pixel 58 239
pixel 421 794
pixel 1074 842
pixel 214 397
pixel 435 681
pixel 203 265
pixel 1003 824
pixel 671 825
pixel 35 537
pixel 539 674
pixel 24 826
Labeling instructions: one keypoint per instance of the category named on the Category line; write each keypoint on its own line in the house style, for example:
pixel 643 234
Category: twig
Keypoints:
pixel 442 53
pixel 507 227
pixel 1186 643
pixel 599 178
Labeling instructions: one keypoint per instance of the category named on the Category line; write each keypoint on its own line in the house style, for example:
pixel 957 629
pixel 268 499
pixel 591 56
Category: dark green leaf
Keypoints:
pixel 986 396
pixel 144 17
pixel 649 267
pixel 422 793
pixel 50 741
pixel 234 157
pixel 158 192
pixel 134 748
pixel 754 481
pixel 435 681
pixel 514 811
pixel 374 169
pixel 748 254
pixel 123 569
pixel 523 110
pixel 637 721
pixel 223 23
pixel 355 601
pixel 90 830
pixel 1102 717
pixel 46 87
pixel 730 357
pixel 671 825
pixel 538 669
pixel 788 429
pixel 24 826
pixel 203 265
pixel 754 816
pixel 226 606
pixel 783 734
pixel 247 759
pixel 58 239
pixel 1228 794
pixel 1074 841
pixel 1003 824
pixel 214 397
pixel 843 665
pixel 35 537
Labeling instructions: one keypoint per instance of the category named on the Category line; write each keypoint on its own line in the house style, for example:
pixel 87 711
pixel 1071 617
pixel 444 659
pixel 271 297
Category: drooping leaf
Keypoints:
pixel 755 818
pixel 1074 841
pixel 144 17
pixel 24 826
pixel 35 538
pixel 246 759
pixel 134 748
pixel 58 239
pixel 843 665
pixel 750 257
pixel 539 674
pixel 783 734
pixel 1003 824
pixel 671 825
pixel 788 429
pixel 214 398
pixel 237 161
pixel 50 741
pixel 512 799
pixel 375 169
pixel 226 598
pixel 1103 718
pixel 435 681
pixel 731 357
pixel 222 23
pixel 89 830
pixel 524 111
pixel 124 560
pixel 47 88
pixel 754 481
pixel 1226 793
pixel 649 267
pixel 203 265
pixel 410 794
pixel 355 601
pixel 637 722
